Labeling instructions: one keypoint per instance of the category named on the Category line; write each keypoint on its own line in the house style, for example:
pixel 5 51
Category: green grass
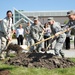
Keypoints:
pixel 72 59
pixel 14 70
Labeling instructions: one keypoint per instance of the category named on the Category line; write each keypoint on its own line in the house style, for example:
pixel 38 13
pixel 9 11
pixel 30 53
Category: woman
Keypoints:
pixel 47 34
pixel 20 35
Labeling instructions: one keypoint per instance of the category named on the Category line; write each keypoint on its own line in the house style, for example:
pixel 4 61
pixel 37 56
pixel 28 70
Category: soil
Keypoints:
pixel 4 72
pixel 13 47
pixel 42 60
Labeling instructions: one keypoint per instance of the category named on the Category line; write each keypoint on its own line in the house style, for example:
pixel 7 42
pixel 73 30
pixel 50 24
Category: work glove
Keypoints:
pixel 36 40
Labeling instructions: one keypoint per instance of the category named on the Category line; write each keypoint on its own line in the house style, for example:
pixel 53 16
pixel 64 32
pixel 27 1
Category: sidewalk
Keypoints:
pixel 68 53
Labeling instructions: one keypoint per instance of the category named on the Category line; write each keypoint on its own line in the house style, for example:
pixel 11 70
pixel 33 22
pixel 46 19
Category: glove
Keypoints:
pixel 36 40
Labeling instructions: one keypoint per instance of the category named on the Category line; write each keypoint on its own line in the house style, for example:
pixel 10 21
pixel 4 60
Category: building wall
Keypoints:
pixel 43 16
pixel 60 19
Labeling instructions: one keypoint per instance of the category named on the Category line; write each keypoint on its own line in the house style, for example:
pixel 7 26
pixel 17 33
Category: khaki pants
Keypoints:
pixel 59 44
pixel 30 42
pixel 2 42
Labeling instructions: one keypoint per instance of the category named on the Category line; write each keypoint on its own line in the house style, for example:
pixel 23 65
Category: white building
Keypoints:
pixel 21 16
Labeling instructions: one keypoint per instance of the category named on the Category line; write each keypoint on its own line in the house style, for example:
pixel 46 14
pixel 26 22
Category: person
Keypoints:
pixel 37 30
pixel 71 22
pixel 29 39
pixel 67 41
pixel 47 34
pixel 6 31
pixel 56 29
pixel 20 35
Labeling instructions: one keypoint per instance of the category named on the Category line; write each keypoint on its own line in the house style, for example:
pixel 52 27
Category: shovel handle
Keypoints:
pixel 51 37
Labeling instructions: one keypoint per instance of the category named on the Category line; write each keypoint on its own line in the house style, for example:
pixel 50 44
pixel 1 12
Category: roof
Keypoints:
pixel 19 22
pixel 44 13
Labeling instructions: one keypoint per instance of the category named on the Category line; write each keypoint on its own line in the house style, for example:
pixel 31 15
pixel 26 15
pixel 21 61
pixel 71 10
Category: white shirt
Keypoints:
pixel 6 26
pixel 20 31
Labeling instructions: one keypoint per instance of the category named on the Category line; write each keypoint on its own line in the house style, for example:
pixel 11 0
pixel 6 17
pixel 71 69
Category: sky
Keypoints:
pixel 35 5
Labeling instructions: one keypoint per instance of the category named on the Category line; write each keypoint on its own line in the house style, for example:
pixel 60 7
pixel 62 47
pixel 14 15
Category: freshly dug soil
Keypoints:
pixel 4 72
pixel 42 60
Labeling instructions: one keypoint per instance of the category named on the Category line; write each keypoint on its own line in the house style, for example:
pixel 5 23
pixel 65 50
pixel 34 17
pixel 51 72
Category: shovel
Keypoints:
pixel 25 47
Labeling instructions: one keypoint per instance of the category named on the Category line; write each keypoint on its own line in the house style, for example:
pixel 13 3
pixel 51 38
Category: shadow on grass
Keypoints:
pixel 7 68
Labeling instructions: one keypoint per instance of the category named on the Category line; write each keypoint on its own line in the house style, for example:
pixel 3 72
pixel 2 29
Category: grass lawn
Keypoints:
pixel 14 70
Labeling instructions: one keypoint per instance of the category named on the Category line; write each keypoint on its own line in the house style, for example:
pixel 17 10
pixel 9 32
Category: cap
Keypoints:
pixel 50 19
pixel 35 18
pixel 71 12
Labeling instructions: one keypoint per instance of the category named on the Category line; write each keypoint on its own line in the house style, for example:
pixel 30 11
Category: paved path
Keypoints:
pixel 68 53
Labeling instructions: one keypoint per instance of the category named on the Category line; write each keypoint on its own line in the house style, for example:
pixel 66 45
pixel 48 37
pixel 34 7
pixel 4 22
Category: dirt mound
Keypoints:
pixel 4 72
pixel 43 60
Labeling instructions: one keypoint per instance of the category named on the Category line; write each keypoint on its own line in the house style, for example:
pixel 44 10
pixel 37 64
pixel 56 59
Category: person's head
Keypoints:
pixel 9 13
pixel 35 20
pixel 20 26
pixel 71 15
pixel 50 21
pixel 28 23
pixel 45 25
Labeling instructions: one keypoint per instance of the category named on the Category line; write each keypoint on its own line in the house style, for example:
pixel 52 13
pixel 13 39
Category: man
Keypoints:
pixel 71 22
pixel 29 39
pixel 56 28
pixel 37 33
pixel 6 29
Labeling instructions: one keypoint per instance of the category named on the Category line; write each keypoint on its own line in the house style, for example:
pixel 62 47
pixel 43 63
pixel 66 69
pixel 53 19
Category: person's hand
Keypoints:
pixel 36 40
pixel 26 32
pixel 57 34
pixel 13 31
pixel 9 38
pixel 68 29
pixel 43 31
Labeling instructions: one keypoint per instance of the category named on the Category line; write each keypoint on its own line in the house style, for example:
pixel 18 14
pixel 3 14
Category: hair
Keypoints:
pixel 9 11
pixel 45 25
pixel 20 24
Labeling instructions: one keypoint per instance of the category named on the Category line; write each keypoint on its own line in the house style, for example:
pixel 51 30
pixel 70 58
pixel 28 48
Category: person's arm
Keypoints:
pixel 12 28
pixel 27 31
pixel 58 29
pixel 17 33
pixel 4 28
pixel 67 25
pixel 23 33
pixel 33 34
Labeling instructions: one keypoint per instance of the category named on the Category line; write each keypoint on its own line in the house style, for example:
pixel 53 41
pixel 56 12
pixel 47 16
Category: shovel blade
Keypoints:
pixel 25 47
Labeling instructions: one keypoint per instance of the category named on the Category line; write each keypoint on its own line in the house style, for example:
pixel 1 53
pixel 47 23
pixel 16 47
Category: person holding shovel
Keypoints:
pixel 29 39
pixel 6 29
pixel 71 23
pixel 60 39
pixel 37 31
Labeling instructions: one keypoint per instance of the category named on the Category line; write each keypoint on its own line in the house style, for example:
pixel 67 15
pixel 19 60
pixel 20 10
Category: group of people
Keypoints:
pixel 36 32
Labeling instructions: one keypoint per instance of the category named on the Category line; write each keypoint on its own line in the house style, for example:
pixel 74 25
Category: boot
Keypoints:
pixel 2 57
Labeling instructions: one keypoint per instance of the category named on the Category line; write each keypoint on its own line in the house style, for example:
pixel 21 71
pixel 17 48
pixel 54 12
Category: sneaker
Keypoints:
pixel 34 51
pixel 43 49
pixel 2 57
pixel 61 53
